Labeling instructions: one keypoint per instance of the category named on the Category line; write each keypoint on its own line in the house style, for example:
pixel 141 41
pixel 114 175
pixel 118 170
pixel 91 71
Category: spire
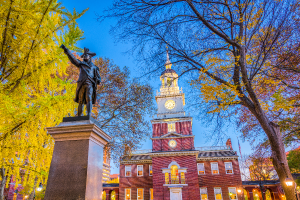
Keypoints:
pixel 168 63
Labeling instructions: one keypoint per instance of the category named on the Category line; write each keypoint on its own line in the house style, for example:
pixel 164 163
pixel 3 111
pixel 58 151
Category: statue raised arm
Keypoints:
pixel 88 80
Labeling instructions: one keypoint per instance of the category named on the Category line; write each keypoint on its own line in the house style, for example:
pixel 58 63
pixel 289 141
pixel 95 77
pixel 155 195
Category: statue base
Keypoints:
pixel 77 162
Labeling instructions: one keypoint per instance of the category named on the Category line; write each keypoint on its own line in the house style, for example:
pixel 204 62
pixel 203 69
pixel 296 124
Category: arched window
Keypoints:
pixel 103 195
pixel 268 195
pixel 112 195
pixel 174 175
pixel 256 194
pixel 246 195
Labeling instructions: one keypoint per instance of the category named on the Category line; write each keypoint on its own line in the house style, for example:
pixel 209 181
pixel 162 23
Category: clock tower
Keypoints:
pixel 172 129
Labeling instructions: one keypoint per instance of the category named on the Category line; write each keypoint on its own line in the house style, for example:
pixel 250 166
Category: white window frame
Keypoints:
pixel 137 193
pixel 235 192
pixel 215 192
pixel 150 193
pixel 198 168
pixel 137 170
pixel 231 167
pixel 150 170
pixel 212 168
pixel 129 192
pixel 203 193
pixel 127 166
pixel 171 128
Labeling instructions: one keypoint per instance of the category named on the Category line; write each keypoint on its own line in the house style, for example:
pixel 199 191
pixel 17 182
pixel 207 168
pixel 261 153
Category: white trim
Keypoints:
pixel 198 168
pixel 215 192
pixel 128 170
pixel 231 167
pixel 137 170
pixel 212 169
pixel 173 163
pixel 129 191
pixel 235 192
pixel 137 193
pixel 150 170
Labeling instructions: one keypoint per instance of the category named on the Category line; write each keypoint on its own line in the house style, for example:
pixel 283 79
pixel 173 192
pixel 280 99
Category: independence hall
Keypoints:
pixel 174 168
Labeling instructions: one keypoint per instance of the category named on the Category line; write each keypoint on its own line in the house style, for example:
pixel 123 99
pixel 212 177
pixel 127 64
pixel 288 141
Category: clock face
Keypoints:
pixel 170 104
pixel 172 143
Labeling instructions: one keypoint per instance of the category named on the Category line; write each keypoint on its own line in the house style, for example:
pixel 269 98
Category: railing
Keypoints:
pixel 174 179
pixel 212 148
pixel 169 91
pixel 142 151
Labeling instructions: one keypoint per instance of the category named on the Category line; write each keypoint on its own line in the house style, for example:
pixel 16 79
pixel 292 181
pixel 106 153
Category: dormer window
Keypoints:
pixel 171 127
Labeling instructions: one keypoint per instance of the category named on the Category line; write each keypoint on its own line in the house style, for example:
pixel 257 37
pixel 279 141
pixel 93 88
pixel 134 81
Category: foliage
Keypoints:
pixel 121 106
pixel 236 47
pixel 32 94
pixel 294 160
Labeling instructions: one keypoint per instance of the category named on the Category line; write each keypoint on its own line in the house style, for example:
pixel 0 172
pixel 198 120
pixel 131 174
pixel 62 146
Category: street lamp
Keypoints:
pixel 289 181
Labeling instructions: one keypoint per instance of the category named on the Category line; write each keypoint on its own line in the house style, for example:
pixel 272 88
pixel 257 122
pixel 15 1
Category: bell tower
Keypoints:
pixel 172 129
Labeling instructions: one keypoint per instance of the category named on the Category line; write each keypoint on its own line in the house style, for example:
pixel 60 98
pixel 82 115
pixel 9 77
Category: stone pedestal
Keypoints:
pixel 77 162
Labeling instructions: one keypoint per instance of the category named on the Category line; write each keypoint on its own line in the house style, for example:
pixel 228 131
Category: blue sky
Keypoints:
pixel 99 40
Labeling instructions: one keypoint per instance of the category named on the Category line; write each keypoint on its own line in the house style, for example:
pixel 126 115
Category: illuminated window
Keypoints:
pixel 103 195
pixel 150 170
pixel 151 193
pixel 127 194
pixel 171 127
pixel 128 170
pixel 169 82
pixel 246 194
pixel 140 170
pixel 167 180
pixel 182 177
pixel 174 174
pixel 163 82
pixel 256 194
pixel 268 195
pixel 214 168
pixel 232 193
pixel 201 169
pixel 228 168
pixel 112 195
pixel 140 194
pixel 203 193
pixel 218 193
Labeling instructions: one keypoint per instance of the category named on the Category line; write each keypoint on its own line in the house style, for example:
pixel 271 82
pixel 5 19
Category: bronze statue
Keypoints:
pixel 88 80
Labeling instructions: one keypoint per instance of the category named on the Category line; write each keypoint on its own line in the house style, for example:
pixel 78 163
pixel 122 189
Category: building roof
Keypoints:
pixel 110 185
pixel 267 182
pixel 114 176
pixel 213 154
pixel 137 157
pixel 168 71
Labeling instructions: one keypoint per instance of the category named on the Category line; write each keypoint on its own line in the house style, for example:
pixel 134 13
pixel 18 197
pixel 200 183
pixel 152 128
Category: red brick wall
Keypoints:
pixel 222 179
pixel 182 144
pixel 161 129
pixel 190 192
pixel 135 181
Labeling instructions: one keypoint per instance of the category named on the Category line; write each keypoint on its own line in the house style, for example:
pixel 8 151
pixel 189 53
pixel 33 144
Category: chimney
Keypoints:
pixel 228 144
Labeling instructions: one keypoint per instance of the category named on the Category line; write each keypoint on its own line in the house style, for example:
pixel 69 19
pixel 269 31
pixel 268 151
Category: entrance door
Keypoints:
pixel 175 194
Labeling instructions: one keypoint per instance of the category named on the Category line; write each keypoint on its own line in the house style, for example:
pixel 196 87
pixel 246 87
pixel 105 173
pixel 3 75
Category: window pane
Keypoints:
pixel 203 193
pixel 214 168
pixel 182 176
pixel 150 170
pixel 128 170
pixel 167 178
pixel 140 194
pixel 228 168
pixel 127 194
pixel 201 169
pixel 174 175
pixel 232 193
pixel 171 127
pixel 218 193
pixel 140 170
pixel 151 193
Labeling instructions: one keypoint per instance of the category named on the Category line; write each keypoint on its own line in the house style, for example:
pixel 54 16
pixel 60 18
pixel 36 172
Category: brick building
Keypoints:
pixel 174 169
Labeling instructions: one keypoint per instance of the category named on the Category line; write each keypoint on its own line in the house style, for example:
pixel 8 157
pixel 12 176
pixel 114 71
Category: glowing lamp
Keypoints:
pixel 239 190
pixel 289 181
pixel 39 189
pixel 26 196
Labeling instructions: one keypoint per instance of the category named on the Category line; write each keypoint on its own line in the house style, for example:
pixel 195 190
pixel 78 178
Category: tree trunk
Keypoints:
pixel 31 196
pixel 262 190
pixel 2 183
pixel 280 163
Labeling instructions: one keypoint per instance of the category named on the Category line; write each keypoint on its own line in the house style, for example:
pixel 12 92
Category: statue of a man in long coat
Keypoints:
pixel 88 80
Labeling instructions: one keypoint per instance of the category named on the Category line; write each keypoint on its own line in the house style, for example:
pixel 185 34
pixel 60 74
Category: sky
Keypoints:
pixel 99 40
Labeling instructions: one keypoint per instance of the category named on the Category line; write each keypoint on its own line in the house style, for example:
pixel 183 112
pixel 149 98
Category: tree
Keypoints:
pixel 294 162
pixel 32 94
pixel 233 46
pixel 121 106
